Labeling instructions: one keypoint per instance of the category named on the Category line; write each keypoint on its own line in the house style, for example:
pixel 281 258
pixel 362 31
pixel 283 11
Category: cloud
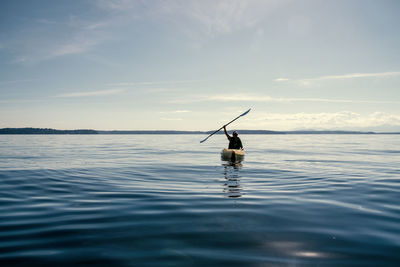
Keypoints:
pixel 155 82
pixel 266 98
pixel 119 5
pixel 207 17
pixel 45 21
pixel 97 25
pixel 78 34
pixel 84 36
pixel 215 17
pixel 281 80
pixel 52 50
pixel 75 47
pixel 241 97
pixel 307 81
pixel 151 87
pixel 92 93
pixel 182 111
pixel 175 111
pixel 43 40
pixel 344 120
pixel 355 75
pixel 171 119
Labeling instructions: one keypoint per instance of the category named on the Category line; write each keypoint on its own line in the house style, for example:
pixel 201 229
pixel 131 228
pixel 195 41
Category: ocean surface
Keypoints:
pixel 167 200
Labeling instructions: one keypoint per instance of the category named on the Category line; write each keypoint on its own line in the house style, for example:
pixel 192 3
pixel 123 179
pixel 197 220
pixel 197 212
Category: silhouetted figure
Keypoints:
pixel 234 141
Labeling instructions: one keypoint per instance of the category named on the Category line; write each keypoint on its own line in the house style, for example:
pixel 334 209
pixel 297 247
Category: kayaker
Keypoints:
pixel 234 141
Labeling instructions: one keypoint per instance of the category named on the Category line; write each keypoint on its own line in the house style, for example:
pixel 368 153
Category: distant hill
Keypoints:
pixel 150 132
pixel 328 132
pixel 88 131
pixel 44 131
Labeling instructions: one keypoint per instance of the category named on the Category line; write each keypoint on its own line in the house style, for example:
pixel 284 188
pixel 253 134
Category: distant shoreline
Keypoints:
pixel 49 131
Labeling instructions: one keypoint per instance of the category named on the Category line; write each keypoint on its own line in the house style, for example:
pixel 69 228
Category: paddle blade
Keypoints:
pixel 204 139
pixel 245 112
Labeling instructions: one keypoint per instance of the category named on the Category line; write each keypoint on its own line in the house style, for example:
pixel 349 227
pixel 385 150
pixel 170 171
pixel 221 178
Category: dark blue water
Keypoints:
pixel 151 200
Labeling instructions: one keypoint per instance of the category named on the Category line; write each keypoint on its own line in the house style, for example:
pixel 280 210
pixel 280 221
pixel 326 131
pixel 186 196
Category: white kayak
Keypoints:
pixel 232 154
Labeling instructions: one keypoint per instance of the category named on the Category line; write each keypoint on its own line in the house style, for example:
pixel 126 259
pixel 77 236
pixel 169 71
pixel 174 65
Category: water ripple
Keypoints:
pixel 140 201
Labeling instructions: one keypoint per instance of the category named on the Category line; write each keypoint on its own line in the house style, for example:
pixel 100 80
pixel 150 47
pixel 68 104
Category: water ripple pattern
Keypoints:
pixel 152 200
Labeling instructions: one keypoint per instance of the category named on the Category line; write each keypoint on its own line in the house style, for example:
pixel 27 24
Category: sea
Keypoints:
pixel 167 200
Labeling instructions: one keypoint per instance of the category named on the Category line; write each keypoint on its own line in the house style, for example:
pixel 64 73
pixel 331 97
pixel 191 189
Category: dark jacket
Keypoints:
pixel 235 142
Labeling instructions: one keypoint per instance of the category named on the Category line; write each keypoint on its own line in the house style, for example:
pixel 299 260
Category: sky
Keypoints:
pixel 195 65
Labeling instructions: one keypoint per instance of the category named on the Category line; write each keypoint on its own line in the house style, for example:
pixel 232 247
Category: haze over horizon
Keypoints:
pixel 195 65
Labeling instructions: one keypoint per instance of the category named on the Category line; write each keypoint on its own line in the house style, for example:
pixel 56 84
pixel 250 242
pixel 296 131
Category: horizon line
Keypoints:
pixel 243 131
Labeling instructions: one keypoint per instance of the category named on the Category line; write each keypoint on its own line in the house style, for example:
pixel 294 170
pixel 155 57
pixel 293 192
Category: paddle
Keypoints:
pixel 225 125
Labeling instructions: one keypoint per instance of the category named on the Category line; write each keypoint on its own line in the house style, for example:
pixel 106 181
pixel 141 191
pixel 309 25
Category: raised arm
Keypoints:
pixel 226 133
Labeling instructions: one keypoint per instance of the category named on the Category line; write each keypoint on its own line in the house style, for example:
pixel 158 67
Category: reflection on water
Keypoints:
pixel 232 187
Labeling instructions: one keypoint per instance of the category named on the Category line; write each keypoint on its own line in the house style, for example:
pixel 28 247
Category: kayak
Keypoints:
pixel 232 154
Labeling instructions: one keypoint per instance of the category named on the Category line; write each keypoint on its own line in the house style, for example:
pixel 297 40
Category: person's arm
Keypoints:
pixel 226 133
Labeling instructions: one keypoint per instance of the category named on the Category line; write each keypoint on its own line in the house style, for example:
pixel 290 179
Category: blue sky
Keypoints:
pixel 194 65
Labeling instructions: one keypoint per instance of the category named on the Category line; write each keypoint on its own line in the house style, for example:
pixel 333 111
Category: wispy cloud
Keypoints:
pixel 266 98
pixel 81 34
pixel 156 82
pixel 221 17
pixel 119 5
pixel 171 119
pixel 172 115
pixel 175 111
pixel 306 81
pixel 49 39
pixel 151 87
pixel 92 93
pixel 76 47
pixel 45 21
pixel 329 121
pixel 182 111
pixel 281 80
pixel 205 17
pixel 355 75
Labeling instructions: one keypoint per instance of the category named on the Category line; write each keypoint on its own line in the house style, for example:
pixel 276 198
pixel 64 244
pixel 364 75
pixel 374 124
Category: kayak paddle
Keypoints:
pixel 225 125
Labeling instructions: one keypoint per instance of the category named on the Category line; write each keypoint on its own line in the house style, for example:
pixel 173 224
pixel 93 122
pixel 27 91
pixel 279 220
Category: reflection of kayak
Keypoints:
pixel 232 154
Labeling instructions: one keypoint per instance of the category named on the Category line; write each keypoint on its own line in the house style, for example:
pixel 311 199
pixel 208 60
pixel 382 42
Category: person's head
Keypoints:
pixel 235 133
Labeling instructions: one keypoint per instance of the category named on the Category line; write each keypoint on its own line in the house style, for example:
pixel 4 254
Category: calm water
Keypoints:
pixel 153 200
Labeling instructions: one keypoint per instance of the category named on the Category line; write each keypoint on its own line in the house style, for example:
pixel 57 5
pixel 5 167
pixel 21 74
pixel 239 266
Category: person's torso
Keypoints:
pixel 234 143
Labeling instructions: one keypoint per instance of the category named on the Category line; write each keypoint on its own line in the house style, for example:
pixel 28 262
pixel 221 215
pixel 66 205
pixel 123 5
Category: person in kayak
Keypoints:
pixel 234 141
